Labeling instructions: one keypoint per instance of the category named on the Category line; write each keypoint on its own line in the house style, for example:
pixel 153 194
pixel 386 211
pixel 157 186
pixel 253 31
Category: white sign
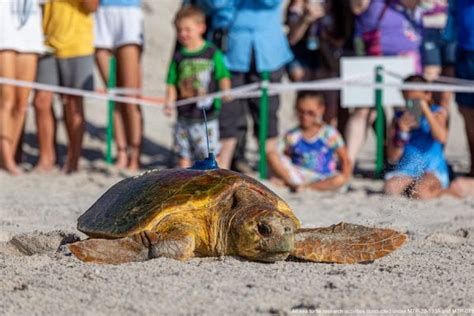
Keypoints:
pixel 356 96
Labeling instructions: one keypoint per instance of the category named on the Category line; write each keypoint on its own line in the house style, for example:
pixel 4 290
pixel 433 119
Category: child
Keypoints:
pixel 418 135
pixel 196 69
pixel 311 150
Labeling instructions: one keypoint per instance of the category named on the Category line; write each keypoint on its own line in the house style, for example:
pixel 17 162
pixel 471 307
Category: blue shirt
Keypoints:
pixel 132 3
pixel 255 27
pixel 465 23
pixel 423 153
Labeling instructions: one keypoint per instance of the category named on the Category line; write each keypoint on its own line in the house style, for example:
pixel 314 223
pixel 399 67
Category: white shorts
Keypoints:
pixel 20 26
pixel 300 175
pixel 117 26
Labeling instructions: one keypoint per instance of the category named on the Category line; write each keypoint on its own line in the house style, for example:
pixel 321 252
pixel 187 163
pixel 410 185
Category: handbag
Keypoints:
pixel 373 39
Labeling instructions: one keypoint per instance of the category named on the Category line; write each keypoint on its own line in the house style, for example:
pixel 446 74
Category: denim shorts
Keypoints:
pixel 465 70
pixel 436 51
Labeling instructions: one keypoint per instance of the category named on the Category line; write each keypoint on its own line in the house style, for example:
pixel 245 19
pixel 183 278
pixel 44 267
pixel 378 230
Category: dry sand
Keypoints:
pixel 435 269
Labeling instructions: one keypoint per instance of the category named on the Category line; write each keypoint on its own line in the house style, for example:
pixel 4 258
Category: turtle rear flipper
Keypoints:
pixel 346 243
pixel 110 251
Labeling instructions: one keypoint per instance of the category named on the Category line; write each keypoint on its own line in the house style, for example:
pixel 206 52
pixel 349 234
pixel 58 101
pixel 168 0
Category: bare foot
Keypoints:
pixel 134 160
pixel 277 181
pixel 133 165
pixel 70 167
pixel 122 159
pixel 13 169
pixel 42 167
pixel 461 187
pixel 296 188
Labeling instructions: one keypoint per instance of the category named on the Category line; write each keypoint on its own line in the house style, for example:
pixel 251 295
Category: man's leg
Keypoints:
pixel 230 117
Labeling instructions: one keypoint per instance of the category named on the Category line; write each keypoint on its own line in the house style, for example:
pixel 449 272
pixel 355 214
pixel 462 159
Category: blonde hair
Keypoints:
pixel 191 12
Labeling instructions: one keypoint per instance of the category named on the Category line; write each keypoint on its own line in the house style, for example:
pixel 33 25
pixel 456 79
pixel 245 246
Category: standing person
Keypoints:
pixel 304 29
pixel 21 41
pixel 389 28
pixel 119 33
pixel 438 50
pixel 320 33
pixel 69 39
pixel 250 32
pixel 464 16
pixel 197 68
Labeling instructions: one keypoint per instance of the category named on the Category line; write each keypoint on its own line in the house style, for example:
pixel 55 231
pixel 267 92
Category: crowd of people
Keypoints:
pixel 226 44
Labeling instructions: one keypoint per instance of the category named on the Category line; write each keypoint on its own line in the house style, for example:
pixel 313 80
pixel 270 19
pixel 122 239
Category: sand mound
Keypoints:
pixel 29 244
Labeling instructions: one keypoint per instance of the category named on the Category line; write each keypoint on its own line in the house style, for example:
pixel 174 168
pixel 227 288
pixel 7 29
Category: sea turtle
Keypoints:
pixel 184 213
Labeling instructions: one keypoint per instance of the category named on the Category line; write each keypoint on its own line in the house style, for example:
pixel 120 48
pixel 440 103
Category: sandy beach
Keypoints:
pixel 38 213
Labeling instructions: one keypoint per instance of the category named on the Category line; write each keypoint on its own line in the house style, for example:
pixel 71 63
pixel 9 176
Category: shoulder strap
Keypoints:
pixel 210 51
pixel 178 56
pixel 382 13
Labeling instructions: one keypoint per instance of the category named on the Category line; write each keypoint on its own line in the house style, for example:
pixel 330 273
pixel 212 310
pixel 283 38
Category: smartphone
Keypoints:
pixel 414 107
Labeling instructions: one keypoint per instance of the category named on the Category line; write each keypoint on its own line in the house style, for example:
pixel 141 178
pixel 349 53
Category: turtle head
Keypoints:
pixel 263 234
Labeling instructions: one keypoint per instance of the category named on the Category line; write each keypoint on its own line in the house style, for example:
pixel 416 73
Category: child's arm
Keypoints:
pixel 359 6
pixel 225 84
pixel 171 96
pixel 437 121
pixel 337 181
pixel 399 135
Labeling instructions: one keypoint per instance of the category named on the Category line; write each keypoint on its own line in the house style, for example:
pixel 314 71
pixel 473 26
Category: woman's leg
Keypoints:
pixel 427 187
pixel 26 71
pixel 356 131
pixel 45 129
pixel 128 61
pixel 75 125
pixel 7 105
pixel 397 185
pixel 102 58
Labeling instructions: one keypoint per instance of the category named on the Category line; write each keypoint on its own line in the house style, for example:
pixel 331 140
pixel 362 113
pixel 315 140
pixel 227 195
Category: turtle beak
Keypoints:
pixel 279 243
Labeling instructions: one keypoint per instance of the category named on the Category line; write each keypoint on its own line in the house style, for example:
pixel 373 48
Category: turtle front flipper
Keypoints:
pixel 140 247
pixel 346 243
pixel 109 251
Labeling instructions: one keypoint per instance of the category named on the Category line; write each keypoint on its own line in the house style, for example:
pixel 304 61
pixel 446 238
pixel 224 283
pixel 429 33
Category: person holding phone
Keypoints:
pixel 417 136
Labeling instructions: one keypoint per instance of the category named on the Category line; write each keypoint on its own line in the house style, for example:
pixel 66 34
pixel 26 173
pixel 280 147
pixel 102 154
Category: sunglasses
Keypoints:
pixel 306 113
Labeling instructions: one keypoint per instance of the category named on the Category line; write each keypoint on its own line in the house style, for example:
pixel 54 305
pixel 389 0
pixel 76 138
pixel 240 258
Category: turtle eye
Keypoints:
pixel 264 229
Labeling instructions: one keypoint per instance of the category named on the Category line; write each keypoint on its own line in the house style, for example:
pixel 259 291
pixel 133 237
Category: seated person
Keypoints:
pixel 416 139
pixel 311 150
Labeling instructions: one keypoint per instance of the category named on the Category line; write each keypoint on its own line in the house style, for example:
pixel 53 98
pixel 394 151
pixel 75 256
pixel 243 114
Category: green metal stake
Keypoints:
pixel 263 131
pixel 379 123
pixel 111 106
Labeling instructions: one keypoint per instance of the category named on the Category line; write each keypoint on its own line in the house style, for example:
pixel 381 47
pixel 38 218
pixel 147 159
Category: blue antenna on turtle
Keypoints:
pixel 210 162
